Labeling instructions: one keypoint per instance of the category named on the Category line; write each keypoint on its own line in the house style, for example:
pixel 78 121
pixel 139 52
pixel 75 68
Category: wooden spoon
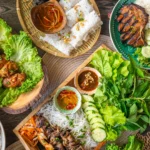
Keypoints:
pixel 49 24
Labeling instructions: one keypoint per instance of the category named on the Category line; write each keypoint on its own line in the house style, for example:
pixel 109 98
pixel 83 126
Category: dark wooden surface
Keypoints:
pixel 8 12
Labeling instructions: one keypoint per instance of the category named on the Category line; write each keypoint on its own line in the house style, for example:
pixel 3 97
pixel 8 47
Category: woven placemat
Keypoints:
pixel 16 146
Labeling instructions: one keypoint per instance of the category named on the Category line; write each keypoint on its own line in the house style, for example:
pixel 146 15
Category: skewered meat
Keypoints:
pixel 3 61
pixel 8 69
pixel 14 80
pixel 132 21
pixel 60 139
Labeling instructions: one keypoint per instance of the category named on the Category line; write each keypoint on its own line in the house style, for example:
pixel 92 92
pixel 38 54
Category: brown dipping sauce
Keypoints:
pixel 88 80
pixel 67 99
pixel 47 17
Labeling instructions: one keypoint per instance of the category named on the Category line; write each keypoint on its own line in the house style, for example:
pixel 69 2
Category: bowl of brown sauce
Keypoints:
pixel 67 100
pixel 49 17
pixel 87 80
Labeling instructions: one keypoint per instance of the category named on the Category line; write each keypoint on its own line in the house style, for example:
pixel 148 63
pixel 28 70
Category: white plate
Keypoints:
pixel 3 138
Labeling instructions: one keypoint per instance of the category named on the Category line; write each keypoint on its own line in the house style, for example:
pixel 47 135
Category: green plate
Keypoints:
pixel 122 48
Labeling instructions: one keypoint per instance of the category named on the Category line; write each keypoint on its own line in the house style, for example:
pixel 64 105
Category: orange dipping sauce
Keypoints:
pixel 67 99
pixel 48 17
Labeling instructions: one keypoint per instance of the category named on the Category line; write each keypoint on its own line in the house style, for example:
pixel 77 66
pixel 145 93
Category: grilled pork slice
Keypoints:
pixel 8 69
pixel 132 21
pixel 61 139
pixel 14 81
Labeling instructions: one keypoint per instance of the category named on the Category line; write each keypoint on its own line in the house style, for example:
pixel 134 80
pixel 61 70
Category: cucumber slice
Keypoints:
pixel 97 125
pixel 94 109
pixel 87 98
pixel 146 51
pixel 90 117
pixel 148 42
pixel 87 104
pixel 147 34
pixel 87 113
pixel 98 135
pixel 97 120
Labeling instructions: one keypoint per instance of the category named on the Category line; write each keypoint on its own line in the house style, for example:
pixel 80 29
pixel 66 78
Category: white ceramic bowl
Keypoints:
pixel 3 138
pixel 72 111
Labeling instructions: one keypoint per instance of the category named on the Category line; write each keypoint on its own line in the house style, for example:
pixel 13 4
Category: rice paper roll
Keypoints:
pixel 64 47
pixel 78 12
pixel 68 4
pixel 81 30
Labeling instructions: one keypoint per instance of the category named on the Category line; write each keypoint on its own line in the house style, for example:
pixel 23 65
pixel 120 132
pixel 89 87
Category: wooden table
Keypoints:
pixel 8 12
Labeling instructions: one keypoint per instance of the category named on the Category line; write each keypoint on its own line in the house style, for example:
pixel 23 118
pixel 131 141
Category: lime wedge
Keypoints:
pixel 146 51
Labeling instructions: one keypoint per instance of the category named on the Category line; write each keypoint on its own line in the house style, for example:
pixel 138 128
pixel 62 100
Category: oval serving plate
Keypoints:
pixel 24 7
pixel 122 48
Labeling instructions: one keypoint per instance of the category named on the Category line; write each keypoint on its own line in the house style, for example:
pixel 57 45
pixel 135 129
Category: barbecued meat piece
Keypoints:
pixel 60 139
pixel 14 80
pixel 3 61
pixel 132 21
pixel 8 69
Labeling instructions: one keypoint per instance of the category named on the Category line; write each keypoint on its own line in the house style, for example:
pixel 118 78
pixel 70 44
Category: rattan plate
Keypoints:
pixel 24 7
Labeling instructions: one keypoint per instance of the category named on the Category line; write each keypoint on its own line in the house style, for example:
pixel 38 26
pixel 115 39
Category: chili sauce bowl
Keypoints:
pixel 67 100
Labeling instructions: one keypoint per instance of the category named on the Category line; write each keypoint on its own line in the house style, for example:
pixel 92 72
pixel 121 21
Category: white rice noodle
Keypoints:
pixel 83 8
pixel 79 122
pixel 68 4
pixel 81 30
pixel 145 4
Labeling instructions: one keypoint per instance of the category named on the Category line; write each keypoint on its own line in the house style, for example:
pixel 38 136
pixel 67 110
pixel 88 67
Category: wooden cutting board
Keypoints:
pixel 27 100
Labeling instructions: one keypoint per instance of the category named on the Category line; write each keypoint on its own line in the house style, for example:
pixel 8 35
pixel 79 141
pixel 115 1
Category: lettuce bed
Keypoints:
pixel 19 48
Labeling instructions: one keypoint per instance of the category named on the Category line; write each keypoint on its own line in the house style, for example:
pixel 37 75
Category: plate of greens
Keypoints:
pixel 20 65
pixel 130 30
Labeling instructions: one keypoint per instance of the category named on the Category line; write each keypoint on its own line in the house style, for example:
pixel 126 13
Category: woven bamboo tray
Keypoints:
pixel 24 7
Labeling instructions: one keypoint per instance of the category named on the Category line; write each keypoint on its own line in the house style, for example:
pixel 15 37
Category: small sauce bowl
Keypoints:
pixel 49 17
pixel 87 80
pixel 67 100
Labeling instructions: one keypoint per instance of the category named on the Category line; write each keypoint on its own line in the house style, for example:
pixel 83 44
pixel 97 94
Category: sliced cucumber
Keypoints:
pixel 95 116
pixel 94 109
pixel 98 134
pixel 90 112
pixel 147 34
pixel 146 51
pixel 97 120
pixel 97 125
pixel 87 98
pixel 87 104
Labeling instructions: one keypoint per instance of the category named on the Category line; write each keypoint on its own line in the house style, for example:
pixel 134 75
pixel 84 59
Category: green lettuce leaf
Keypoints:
pixel 19 49
pixel 112 146
pixel 112 134
pixel 100 61
pixel 133 144
pixel 5 31
pixel 113 116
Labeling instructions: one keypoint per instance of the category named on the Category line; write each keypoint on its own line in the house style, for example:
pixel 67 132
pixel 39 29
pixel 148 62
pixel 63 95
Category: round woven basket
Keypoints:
pixel 24 7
